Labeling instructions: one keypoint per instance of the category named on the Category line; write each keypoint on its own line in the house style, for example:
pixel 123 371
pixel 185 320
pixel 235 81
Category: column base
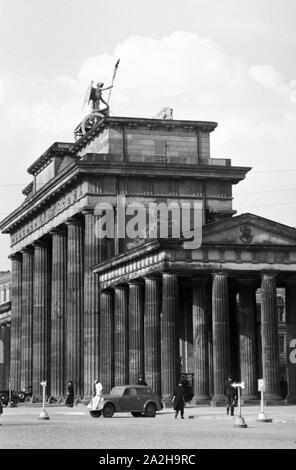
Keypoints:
pixel 273 400
pixel 250 400
pixel 201 400
pixel 290 400
pixel 218 400
pixel 167 401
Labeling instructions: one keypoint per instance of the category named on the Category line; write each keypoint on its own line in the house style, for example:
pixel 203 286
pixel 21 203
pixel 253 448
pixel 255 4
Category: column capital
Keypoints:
pixel 269 274
pixel 40 243
pixel 58 231
pixel 74 221
pixel 121 287
pixel 88 211
pixel 136 282
pixel 15 256
pixel 28 249
pixel 219 273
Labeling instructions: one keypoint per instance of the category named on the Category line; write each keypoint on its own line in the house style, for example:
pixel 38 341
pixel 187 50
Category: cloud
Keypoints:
pixel 183 70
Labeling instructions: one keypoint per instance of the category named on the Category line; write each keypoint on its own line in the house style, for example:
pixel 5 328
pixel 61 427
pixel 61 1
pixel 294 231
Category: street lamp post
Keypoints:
pixel 43 412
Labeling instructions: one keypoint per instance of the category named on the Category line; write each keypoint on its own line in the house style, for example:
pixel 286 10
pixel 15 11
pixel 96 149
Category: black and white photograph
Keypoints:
pixel 147 231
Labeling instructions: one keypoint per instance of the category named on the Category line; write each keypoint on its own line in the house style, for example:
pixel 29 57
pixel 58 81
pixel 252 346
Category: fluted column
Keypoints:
pixel 121 367
pixel 269 334
pixel 247 339
pixel 169 338
pixel 41 317
pixel 74 318
pixel 220 325
pixel 200 341
pixel 107 340
pixel 136 331
pixel 152 355
pixel 291 339
pixel 16 311
pixel 58 311
pixel 94 252
pixel 27 319
pixel 7 352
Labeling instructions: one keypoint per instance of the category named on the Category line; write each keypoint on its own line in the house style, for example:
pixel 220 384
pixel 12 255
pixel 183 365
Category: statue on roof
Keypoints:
pixel 94 96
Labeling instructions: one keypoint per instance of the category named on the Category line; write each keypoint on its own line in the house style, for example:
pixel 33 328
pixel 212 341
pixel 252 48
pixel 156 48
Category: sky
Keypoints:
pixel 229 61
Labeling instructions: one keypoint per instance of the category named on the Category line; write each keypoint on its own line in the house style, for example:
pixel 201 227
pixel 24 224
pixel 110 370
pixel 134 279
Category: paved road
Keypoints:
pixel 202 428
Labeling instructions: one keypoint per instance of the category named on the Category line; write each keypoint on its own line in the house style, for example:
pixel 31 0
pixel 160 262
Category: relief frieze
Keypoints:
pixel 64 202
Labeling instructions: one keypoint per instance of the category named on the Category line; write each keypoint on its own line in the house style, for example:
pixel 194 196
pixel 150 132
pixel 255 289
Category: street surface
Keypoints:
pixel 202 428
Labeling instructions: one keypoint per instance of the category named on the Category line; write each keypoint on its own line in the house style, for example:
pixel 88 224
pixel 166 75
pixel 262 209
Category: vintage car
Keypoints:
pixel 5 395
pixel 139 400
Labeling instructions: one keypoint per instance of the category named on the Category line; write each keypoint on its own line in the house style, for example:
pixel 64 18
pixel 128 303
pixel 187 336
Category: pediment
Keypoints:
pixel 249 229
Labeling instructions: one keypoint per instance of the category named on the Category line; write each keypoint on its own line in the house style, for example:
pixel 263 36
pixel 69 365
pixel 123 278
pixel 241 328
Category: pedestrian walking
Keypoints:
pixel 179 400
pixel 1 408
pixel 141 380
pixel 70 394
pixel 95 401
pixel 230 394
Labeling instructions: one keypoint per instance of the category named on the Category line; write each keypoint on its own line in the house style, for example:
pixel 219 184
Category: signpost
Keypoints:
pixel 43 412
pixel 239 421
pixel 262 416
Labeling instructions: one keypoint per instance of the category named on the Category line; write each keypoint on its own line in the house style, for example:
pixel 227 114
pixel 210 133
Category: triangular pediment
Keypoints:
pixel 248 229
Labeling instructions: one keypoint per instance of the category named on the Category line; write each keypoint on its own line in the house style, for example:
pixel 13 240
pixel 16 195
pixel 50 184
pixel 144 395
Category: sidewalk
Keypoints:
pixel 278 414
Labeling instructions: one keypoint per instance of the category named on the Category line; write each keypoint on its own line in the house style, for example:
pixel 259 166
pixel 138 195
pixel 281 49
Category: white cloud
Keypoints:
pixel 191 74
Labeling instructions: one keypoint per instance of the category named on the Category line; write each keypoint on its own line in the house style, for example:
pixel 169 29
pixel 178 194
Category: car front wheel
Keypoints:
pixel 95 413
pixel 108 410
pixel 150 410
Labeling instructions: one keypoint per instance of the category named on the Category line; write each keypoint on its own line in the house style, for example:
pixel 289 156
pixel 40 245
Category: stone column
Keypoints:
pixel 74 318
pixel 247 339
pixel 169 338
pixel 7 352
pixel 220 324
pixel 200 341
pixel 152 355
pixel 58 311
pixel 27 319
pixel 94 252
pixel 107 340
pixel 121 336
pixel 269 334
pixel 291 339
pixel 41 317
pixel 136 331
pixel 16 312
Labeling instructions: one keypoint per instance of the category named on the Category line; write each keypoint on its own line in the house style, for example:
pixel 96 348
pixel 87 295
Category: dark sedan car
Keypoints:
pixel 139 400
pixel 4 396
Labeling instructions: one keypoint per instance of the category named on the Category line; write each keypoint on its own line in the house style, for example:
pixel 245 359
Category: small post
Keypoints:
pixel 43 412
pixel 262 416
pixel 239 421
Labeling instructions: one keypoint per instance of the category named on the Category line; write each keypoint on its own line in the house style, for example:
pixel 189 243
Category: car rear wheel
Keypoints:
pixel 108 410
pixel 150 410
pixel 136 414
pixel 95 413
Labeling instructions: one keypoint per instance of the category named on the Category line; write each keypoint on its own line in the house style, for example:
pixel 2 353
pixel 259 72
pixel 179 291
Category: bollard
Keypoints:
pixel 262 418
pixel 43 412
pixel 239 421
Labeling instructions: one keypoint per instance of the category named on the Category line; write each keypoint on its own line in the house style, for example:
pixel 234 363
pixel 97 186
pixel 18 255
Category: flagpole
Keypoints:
pixel 114 73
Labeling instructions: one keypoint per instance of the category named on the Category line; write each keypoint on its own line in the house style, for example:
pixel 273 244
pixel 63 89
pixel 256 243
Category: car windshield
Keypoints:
pixel 118 391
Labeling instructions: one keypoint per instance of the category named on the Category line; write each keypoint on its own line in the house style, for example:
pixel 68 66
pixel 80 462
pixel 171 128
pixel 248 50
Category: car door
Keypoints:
pixel 130 400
